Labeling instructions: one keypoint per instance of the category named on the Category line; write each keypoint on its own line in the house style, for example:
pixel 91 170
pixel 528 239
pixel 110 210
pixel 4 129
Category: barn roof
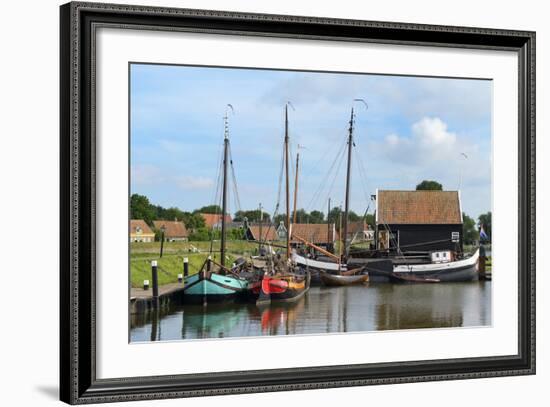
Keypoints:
pixel 172 228
pixel 313 232
pixel 418 207
pixel 269 233
pixel 211 219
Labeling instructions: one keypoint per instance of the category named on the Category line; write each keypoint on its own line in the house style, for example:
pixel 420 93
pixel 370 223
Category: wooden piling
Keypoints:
pixel 185 267
pixel 155 278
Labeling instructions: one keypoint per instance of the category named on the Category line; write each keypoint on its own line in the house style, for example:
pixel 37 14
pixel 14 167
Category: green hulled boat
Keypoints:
pixel 209 286
pixel 221 284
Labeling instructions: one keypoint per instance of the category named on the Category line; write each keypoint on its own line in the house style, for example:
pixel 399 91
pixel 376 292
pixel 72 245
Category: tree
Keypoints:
pixel 171 214
pixel 470 235
pixel 200 235
pixel 316 217
pixel 370 220
pixel 353 217
pixel 334 217
pixel 210 209
pixel 301 216
pixel 193 220
pixel 428 185
pixel 141 208
pixel 235 234
pixel 281 217
pixel 252 216
pixel 485 221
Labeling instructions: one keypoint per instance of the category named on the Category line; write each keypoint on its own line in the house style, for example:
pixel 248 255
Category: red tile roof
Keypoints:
pixel 313 232
pixel 174 229
pixel 140 223
pixel 211 219
pixel 418 207
pixel 269 233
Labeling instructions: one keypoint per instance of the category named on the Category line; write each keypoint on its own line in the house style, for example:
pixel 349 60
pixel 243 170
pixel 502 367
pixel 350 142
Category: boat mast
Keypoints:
pixel 224 190
pixel 328 226
pixel 261 221
pixel 296 186
pixel 340 240
pixel 348 179
pixel 287 186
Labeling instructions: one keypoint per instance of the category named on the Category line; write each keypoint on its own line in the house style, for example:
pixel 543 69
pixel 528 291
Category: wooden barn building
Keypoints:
pixel 173 230
pixel 320 234
pixel 269 233
pixel 419 221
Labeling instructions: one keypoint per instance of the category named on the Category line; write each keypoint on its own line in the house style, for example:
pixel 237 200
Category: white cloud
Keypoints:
pixel 429 137
pixel 432 150
pixel 432 133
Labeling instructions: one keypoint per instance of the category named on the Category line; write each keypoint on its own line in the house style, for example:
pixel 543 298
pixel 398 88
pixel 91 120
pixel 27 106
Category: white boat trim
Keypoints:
pixel 316 264
pixel 412 268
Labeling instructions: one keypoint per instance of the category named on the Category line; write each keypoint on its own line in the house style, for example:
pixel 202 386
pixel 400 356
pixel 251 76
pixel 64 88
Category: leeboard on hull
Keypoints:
pixel 213 287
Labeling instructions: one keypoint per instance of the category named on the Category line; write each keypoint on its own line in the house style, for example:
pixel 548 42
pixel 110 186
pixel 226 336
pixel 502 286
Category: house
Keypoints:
pixel 269 232
pixel 419 221
pixel 360 231
pixel 214 220
pixel 140 231
pixel 320 234
pixel 173 230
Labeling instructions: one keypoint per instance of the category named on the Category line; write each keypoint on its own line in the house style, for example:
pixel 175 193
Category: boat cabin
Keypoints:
pixel 419 222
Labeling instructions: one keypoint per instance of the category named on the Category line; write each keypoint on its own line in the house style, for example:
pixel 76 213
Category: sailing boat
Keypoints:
pixel 380 265
pixel 343 278
pixel 222 283
pixel 280 282
pixel 337 273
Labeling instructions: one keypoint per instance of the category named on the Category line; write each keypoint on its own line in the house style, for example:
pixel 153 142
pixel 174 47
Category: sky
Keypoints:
pixel 411 129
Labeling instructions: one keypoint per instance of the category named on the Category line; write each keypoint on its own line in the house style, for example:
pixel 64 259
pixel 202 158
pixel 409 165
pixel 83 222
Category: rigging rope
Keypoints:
pixel 234 179
pixel 321 187
pixel 362 174
pixel 337 172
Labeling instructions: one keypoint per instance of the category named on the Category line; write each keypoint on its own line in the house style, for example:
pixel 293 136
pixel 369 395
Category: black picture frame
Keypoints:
pixel 78 382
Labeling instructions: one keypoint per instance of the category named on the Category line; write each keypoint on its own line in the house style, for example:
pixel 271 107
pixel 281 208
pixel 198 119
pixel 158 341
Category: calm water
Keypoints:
pixel 323 310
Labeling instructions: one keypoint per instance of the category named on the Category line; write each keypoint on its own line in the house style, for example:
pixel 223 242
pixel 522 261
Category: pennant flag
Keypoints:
pixel 482 234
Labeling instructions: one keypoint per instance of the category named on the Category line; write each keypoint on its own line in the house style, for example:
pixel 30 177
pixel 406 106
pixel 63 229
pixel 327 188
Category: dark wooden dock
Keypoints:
pixel 141 301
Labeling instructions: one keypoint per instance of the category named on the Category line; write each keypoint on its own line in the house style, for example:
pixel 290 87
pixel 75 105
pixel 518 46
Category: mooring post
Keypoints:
pixel 163 231
pixel 209 264
pixel 155 278
pixel 145 284
pixel 185 267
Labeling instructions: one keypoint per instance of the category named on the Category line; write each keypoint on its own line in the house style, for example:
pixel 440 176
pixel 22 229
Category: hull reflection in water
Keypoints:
pixel 327 310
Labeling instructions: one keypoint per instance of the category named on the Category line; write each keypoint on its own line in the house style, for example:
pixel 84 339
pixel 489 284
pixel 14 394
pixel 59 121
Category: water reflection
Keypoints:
pixel 326 310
